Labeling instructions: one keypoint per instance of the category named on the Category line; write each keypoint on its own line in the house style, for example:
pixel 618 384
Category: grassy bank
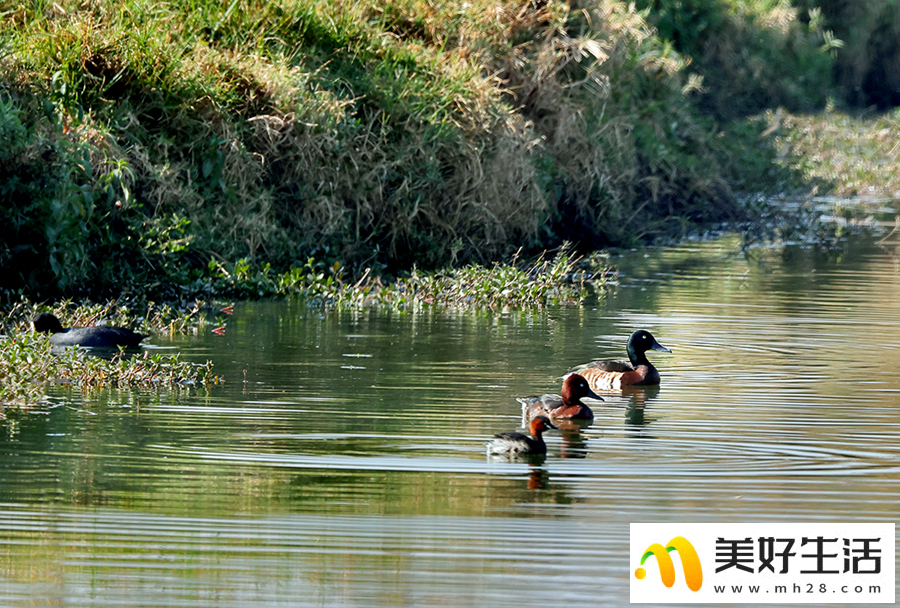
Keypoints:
pixel 755 55
pixel 752 54
pixel 151 144
pixel 842 153
pixel 387 153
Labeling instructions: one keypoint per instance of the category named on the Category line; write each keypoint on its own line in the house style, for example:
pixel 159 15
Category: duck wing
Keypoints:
pixel 604 366
pixel 512 436
pixel 546 401
pixel 536 406
pixel 510 444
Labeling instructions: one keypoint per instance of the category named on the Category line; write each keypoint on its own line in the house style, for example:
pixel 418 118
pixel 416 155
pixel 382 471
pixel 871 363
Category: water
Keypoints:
pixel 342 463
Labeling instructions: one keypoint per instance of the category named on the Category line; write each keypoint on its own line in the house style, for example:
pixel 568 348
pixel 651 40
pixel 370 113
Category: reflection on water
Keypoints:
pixel 639 401
pixel 343 462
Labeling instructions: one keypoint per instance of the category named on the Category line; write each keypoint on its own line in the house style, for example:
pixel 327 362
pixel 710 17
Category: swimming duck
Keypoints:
pixel 102 336
pixel 637 371
pixel 516 444
pixel 567 405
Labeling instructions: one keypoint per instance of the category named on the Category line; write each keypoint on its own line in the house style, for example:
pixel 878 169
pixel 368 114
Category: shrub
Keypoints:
pixel 752 54
pixel 867 66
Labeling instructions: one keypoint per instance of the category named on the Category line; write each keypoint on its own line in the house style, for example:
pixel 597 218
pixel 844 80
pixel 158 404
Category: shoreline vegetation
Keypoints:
pixel 28 366
pixel 407 153
pixel 154 145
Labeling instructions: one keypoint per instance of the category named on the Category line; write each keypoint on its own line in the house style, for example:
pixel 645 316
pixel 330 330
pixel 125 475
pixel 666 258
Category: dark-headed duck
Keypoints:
pixel 101 336
pixel 637 371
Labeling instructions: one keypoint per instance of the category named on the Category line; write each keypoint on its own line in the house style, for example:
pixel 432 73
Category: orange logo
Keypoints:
pixel 693 573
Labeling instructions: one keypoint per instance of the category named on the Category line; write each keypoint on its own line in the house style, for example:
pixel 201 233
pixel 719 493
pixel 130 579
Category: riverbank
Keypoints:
pixel 403 156
pixel 159 146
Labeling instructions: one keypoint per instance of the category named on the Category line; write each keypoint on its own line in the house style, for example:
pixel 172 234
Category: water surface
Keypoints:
pixel 342 463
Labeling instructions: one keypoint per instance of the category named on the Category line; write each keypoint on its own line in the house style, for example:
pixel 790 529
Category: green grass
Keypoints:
pixel 560 280
pixel 751 54
pixel 865 62
pixel 563 278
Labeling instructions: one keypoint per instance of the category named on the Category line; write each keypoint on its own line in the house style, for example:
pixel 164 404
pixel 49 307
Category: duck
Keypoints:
pixel 568 405
pixel 520 444
pixel 102 336
pixel 637 371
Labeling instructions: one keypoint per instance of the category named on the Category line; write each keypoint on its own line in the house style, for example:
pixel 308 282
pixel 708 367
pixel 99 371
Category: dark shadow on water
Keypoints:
pixel 636 412
pixel 538 478
pixel 574 443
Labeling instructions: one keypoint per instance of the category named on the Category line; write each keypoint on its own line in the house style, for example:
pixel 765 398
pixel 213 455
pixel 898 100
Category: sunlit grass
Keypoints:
pixel 560 278
pixel 846 154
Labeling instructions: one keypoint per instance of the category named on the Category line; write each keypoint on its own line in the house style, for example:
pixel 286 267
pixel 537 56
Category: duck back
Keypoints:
pixel 514 443
pixel 97 337
pixel 604 366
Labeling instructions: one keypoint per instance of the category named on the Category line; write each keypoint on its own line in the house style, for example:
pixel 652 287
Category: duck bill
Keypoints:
pixel 657 346
pixel 592 395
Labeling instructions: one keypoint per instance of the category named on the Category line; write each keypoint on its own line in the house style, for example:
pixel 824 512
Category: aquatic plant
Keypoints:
pixel 546 282
pixel 561 279
pixel 28 366
pixel 138 313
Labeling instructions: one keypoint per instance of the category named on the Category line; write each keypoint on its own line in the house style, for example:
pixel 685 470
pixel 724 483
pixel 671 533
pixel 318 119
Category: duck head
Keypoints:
pixel 540 424
pixel 574 388
pixel 46 323
pixel 640 342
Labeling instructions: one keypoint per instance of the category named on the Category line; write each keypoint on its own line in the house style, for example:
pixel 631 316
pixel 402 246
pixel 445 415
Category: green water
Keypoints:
pixel 342 462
